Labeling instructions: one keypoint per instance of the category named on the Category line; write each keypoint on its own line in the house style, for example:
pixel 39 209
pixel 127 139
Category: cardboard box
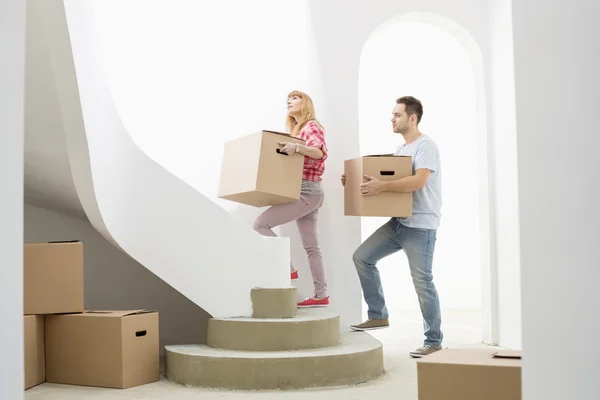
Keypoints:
pixel 112 349
pixel 470 374
pixel 34 356
pixel 255 173
pixel 53 278
pixel 384 167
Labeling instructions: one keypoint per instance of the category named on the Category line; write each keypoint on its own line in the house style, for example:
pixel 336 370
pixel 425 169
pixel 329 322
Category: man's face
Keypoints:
pixel 400 123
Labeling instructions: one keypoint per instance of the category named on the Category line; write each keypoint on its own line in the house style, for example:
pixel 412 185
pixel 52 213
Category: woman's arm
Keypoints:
pixel 315 146
pixel 312 152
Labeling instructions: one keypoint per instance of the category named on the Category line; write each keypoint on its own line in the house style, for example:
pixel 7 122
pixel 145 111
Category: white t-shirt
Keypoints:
pixel 427 202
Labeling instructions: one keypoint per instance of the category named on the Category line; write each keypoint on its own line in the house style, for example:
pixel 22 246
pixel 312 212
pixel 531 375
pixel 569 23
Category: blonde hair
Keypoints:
pixel 307 113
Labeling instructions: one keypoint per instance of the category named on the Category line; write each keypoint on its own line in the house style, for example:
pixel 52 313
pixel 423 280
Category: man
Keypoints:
pixel 416 235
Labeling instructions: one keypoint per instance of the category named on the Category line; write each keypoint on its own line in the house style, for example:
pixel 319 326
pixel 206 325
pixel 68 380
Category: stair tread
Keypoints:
pixel 311 314
pixel 351 342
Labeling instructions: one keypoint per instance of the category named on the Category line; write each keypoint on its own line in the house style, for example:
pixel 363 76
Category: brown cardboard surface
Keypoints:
pixel 114 349
pixel 53 278
pixel 468 374
pixel 34 351
pixel 384 167
pixel 508 354
pixel 253 172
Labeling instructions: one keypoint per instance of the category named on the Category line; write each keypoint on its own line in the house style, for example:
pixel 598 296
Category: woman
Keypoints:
pixel 301 123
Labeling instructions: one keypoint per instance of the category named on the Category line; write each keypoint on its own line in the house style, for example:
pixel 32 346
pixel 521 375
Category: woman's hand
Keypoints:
pixel 288 147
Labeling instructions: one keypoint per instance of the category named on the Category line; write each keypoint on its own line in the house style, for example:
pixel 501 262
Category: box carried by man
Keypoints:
pixel 385 167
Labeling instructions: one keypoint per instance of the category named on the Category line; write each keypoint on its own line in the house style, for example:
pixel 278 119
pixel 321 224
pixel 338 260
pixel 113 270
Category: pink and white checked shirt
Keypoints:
pixel 314 135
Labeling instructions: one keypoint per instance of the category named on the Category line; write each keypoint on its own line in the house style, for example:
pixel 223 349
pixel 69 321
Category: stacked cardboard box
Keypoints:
pixel 65 343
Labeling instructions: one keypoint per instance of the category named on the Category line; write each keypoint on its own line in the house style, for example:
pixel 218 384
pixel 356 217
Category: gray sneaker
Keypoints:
pixel 371 324
pixel 424 351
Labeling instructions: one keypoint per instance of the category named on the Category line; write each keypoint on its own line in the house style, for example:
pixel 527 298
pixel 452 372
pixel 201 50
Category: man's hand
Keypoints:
pixel 343 179
pixel 288 147
pixel 372 187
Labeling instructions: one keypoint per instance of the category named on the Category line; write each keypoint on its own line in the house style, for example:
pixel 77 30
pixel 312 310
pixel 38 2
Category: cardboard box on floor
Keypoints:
pixel 34 356
pixel 384 167
pixel 470 374
pixel 255 173
pixel 112 349
pixel 53 278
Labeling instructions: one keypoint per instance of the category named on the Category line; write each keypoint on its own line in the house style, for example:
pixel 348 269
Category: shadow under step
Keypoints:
pixel 357 359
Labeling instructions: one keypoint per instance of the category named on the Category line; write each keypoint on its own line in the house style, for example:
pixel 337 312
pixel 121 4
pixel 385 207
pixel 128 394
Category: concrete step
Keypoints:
pixel 359 358
pixel 309 329
pixel 274 303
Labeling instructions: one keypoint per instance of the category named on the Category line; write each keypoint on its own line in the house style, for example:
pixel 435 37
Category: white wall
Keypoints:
pixel 113 280
pixel 557 59
pixel 12 82
pixel 421 59
pixel 504 160
pixel 207 76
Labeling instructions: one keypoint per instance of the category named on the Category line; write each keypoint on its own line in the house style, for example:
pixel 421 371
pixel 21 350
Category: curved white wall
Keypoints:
pixel 192 75
pixel 212 72
pixel 169 227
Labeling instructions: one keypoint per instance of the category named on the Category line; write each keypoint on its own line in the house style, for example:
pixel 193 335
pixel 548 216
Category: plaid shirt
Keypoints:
pixel 314 135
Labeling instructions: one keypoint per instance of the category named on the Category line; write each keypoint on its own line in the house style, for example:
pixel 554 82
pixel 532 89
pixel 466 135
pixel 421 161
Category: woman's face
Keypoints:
pixel 293 105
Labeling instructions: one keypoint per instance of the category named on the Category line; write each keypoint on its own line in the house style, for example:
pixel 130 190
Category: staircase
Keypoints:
pixel 276 349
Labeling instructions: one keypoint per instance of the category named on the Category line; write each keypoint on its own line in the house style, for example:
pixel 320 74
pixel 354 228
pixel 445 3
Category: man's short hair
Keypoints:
pixel 412 106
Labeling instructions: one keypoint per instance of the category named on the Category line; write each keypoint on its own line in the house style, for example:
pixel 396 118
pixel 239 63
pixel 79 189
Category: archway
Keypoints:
pixel 434 59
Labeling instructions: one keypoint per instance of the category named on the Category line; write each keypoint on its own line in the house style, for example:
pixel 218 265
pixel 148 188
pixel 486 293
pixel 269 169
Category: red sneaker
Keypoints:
pixel 312 302
pixel 294 275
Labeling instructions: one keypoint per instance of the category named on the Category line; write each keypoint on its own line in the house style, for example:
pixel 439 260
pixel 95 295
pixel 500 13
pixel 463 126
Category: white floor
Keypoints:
pixel 461 329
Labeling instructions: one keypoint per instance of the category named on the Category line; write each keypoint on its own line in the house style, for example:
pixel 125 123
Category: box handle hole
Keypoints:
pixel 280 152
pixel 140 333
pixel 387 173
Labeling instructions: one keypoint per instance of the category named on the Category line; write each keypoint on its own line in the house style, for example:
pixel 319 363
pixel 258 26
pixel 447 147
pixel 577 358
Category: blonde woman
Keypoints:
pixel 301 123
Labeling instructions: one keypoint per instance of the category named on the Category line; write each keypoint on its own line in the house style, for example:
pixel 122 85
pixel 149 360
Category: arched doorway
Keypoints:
pixel 435 60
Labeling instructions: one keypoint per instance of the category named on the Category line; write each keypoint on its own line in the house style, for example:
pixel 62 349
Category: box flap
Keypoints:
pixel 53 242
pixel 508 354
pixel 284 134
pixel 472 356
pixel 383 155
pixel 277 133
pixel 115 313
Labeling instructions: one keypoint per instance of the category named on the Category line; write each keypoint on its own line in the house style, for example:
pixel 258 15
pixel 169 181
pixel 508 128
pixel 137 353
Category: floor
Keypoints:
pixel 461 329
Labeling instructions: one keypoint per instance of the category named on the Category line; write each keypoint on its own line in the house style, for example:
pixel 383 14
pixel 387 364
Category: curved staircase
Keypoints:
pixel 303 349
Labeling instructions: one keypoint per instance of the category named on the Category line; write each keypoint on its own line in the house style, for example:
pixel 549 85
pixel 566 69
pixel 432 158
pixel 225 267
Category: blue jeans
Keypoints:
pixel 418 244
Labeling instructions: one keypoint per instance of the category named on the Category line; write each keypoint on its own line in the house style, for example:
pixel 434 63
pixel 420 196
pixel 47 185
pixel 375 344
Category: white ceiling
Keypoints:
pixel 48 181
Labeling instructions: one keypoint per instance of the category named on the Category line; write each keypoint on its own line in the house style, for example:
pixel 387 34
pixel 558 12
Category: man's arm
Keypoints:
pixel 409 183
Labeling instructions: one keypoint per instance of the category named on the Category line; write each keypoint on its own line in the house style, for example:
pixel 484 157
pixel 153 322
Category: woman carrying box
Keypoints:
pixel 301 123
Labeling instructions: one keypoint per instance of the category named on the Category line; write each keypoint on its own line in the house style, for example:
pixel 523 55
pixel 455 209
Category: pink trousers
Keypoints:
pixel 305 211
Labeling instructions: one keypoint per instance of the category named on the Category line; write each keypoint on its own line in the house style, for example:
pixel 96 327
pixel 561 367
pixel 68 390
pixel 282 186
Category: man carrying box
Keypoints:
pixel 416 234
